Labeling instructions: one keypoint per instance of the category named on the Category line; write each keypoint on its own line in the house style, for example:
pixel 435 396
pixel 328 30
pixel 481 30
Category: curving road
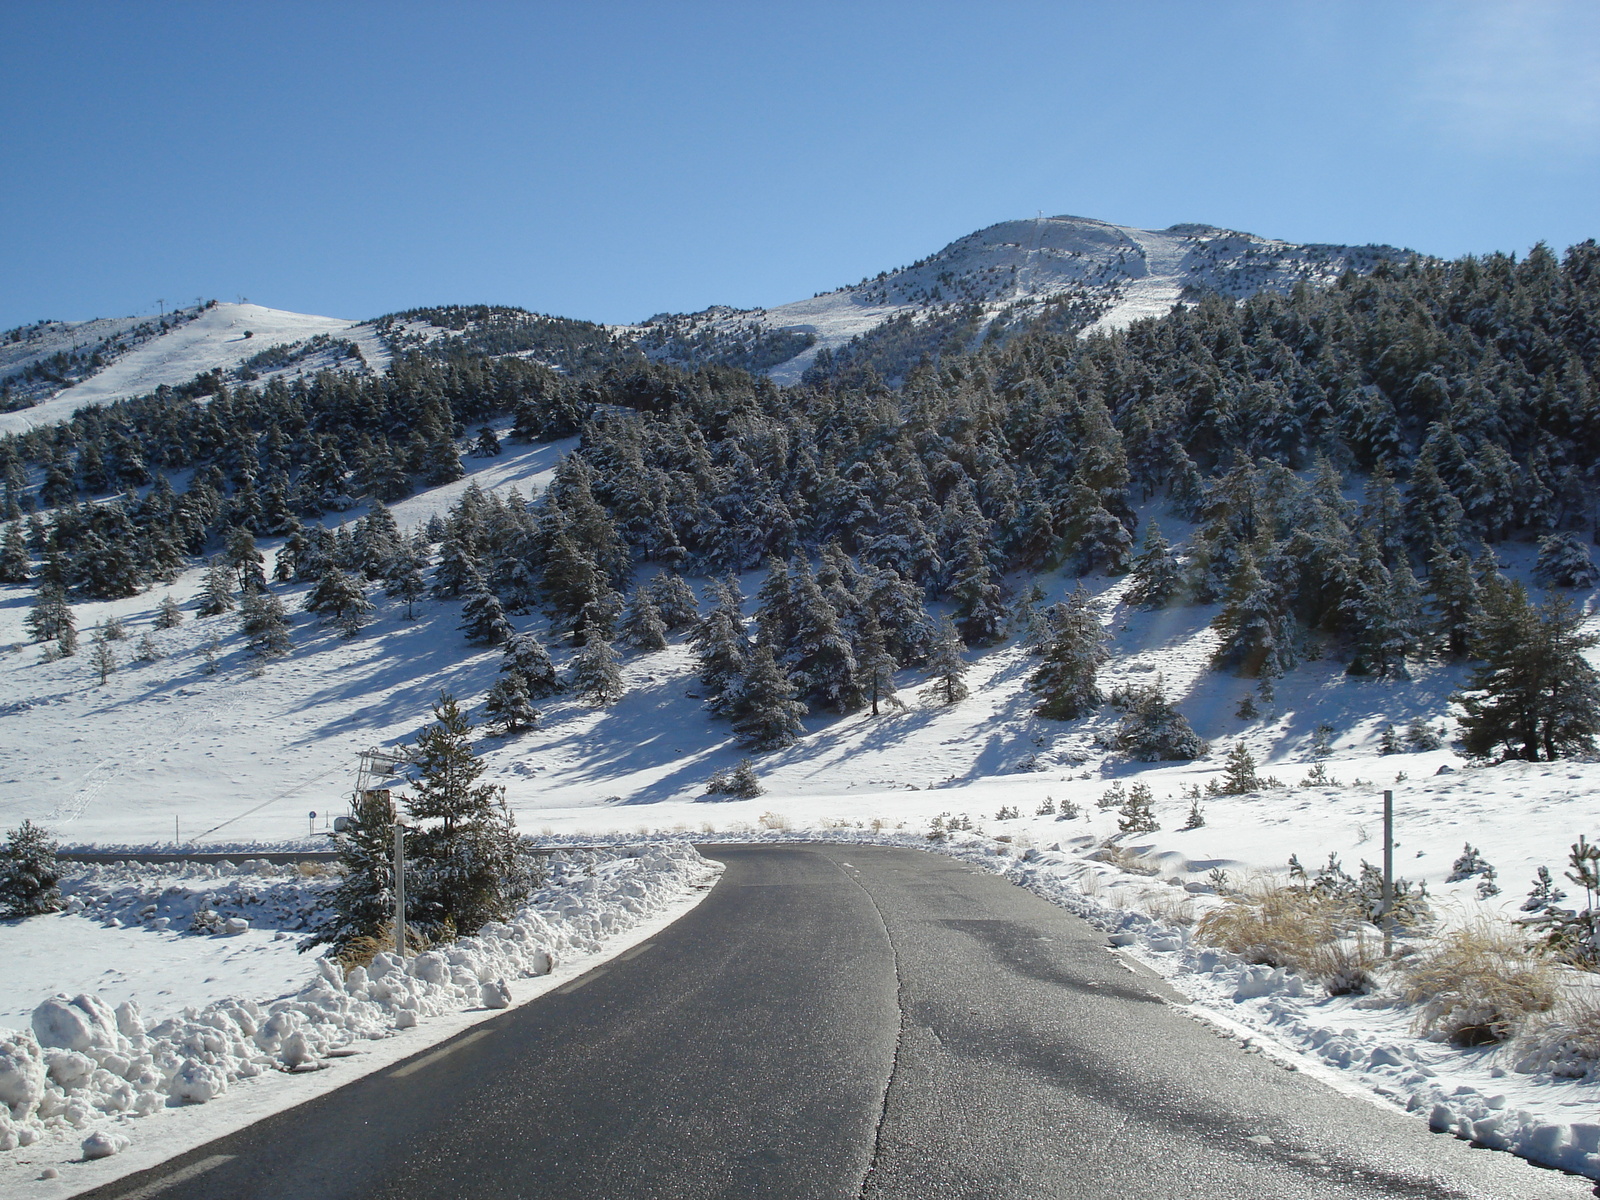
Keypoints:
pixel 846 1022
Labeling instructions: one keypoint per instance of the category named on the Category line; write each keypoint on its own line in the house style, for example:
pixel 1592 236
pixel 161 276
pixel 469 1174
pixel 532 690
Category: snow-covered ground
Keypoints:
pixel 222 336
pixel 244 754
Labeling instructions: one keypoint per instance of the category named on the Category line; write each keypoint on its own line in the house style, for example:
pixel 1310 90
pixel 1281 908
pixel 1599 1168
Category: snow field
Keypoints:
pixel 75 1087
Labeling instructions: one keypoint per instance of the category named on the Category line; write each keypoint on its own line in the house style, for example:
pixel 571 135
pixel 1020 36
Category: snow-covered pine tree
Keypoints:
pixel 721 648
pixel 469 867
pixel 29 876
pixel 980 612
pixel 1255 632
pixel 1239 773
pixel 405 580
pixel 1452 602
pixel 769 709
pixel 822 663
pixel 1534 695
pixel 526 658
pixel 168 614
pixel 340 596
pixel 487 444
pixel 947 666
pixel 642 628
pixel 509 706
pixel 1156 579
pixel 1152 730
pixel 265 624
pixel 16 566
pixel 596 678
pixel 1381 635
pixel 483 619
pixel 50 613
pixel 675 600
pixel 876 666
pixel 362 904
pixel 216 589
pixel 245 561
pixel 457 564
pixel 1066 680
pixel 1565 562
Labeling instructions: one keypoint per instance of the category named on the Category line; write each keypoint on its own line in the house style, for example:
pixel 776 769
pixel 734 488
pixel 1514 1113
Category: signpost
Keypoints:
pixel 400 824
pixel 1388 873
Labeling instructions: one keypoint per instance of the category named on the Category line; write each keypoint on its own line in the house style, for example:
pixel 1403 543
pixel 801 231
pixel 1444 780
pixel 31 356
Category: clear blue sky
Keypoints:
pixel 612 160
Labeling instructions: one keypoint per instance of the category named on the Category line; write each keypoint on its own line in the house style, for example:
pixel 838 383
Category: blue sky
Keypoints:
pixel 609 160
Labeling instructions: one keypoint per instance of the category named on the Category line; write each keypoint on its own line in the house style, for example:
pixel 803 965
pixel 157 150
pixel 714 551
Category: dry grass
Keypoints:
pixel 1479 984
pixel 361 951
pixel 315 870
pixel 1175 908
pixel 1564 1042
pixel 1126 860
pixel 772 820
pixel 1276 925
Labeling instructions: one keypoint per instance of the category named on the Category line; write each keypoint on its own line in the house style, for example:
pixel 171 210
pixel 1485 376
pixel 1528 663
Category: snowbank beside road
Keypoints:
pixel 75 1084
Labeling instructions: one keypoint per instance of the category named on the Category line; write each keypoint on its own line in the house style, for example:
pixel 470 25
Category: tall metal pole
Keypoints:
pixel 1388 872
pixel 399 889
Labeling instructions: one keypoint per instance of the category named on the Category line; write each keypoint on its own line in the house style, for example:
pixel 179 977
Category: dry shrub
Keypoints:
pixel 1175 908
pixel 1276 925
pixel 315 870
pixel 772 820
pixel 1479 984
pixel 1350 966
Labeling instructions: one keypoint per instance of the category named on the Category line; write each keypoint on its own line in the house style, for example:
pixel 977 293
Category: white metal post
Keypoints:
pixel 400 888
pixel 1388 872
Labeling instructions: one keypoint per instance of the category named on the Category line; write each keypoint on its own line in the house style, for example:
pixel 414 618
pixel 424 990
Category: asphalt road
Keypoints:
pixel 846 1022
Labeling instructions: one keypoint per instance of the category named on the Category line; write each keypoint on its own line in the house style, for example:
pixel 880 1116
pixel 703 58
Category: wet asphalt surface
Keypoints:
pixel 846 1021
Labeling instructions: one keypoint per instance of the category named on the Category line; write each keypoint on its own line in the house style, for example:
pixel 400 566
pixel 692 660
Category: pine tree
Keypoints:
pixel 769 709
pixel 1256 634
pixel 405 580
pixel 1534 694
pixel 363 902
pixel 1065 680
pixel 15 564
pixel 526 659
pixel 469 866
pixel 1156 579
pixel 596 678
pixel 457 565
pixel 28 873
pixel 483 619
pixel 1154 731
pixel 979 611
pixel 1453 603
pixel 265 625
pixel 487 444
pixel 1138 811
pixel 245 561
pixel 876 667
pixel 821 661
pixel 946 667
pixel 342 597
pixel 1380 632
pixel 1239 773
pixel 509 705
pixel 49 615
pixel 675 600
pixel 642 627
pixel 103 661
pixel 216 590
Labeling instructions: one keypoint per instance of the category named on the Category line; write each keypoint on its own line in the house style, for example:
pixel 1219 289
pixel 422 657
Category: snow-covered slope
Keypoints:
pixel 1015 267
pixel 215 337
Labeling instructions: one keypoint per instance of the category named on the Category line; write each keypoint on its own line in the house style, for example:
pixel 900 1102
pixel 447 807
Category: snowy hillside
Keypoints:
pixel 134 356
pixel 1117 274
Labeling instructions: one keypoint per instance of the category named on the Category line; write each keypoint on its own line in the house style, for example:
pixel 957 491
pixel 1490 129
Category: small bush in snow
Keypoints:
pixel 1318 777
pixel 1421 736
pixel 1389 740
pixel 1239 775
pixel 1197 816
pixel 1008 812
pixel 1112 797
pixel 738 781
pixel 1069 811
pixel 1571 936
pixel 1137 814
pixel 1047 808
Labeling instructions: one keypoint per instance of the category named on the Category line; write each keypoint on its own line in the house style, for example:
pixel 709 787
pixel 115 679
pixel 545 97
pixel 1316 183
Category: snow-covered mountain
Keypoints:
pixel 1105 276
pixel 63 365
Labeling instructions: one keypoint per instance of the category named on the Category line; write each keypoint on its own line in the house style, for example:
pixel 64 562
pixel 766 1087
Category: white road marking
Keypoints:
pixel 579 982
pixel 182 1175
pixel 428 1059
